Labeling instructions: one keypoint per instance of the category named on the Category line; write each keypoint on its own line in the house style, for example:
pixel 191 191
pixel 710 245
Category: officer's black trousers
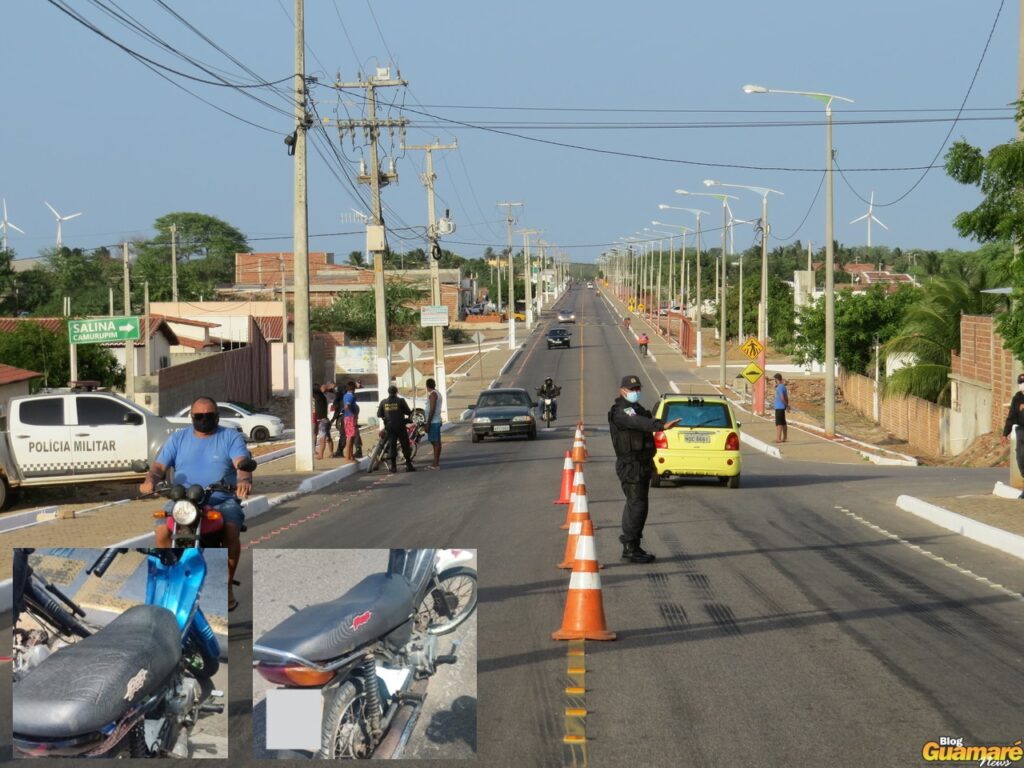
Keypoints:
pixel 400 435
pixel 634 513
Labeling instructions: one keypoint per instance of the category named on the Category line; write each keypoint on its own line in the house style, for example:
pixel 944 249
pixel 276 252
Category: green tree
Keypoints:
pixel 1000 215
pixel 206 248
pixel 355 259
pixel 931 331
pixel 85 277
pixel 354 312
pixel 859 318
pixel 34 348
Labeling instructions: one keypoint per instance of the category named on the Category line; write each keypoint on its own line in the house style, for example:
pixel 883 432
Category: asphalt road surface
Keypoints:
pixel 800 620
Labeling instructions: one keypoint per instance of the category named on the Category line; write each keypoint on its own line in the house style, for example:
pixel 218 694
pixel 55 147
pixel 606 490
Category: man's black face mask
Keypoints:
pixel 204 423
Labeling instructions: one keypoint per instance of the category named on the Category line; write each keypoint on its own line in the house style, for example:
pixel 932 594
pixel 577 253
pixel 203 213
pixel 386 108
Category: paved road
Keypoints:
pixel 777 627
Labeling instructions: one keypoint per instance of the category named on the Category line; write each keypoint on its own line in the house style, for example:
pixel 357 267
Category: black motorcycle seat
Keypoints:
pixel 95 681
pixel 372 608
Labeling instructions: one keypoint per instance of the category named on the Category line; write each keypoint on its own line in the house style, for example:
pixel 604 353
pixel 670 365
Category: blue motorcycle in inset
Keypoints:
pixel 135 687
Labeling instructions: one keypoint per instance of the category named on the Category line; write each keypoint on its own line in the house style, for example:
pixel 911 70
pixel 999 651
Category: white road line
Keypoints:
pixel 932 556
pixel 675 388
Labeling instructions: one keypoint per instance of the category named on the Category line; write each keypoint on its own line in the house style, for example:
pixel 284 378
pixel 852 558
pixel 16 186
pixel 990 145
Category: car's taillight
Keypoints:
pixel 732 442
pixel 294 675
pixel 660 440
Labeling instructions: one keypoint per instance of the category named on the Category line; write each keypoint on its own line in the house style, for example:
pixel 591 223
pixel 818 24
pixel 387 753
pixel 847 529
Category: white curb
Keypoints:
pixel 760 445
pixel 1004 491
pixel 1004 541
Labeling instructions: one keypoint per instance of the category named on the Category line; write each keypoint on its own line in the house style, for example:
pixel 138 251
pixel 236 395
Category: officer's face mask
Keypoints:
pixel 204 423
pixel 1020 386
pixel 633 396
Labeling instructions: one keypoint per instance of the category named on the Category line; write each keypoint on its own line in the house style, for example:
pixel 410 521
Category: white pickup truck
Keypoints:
pixel 76 437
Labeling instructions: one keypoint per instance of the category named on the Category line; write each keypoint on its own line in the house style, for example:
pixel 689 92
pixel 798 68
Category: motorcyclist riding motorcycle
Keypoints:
pixel 550 390
pixel 643 341
pixel 206 454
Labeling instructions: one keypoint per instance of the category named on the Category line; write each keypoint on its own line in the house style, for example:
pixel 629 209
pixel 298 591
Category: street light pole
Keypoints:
pixel 830 308
pixel 509 220
pixel 697 212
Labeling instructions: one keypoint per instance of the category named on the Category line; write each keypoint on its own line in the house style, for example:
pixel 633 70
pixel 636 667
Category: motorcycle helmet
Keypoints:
pixel 549 381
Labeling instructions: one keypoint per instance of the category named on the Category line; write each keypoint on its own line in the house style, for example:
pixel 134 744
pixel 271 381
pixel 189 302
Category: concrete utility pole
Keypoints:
pixel 129 345
pixel 174 263
pixel 284 329
pixel 509 220
pixel 146 364
pixel 300 255
pixel 528 274
pixel 434 253
pixel 110 292
pixel 72 348
pixel 376 240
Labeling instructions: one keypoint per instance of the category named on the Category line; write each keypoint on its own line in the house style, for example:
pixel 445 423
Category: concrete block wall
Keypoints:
pixel 985 359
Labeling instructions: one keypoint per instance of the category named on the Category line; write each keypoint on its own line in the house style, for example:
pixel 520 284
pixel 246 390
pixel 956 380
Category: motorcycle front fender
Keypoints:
pixel 177 587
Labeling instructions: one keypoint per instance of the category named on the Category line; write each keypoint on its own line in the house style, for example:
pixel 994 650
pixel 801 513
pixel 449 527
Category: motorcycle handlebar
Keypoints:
pixel 103 562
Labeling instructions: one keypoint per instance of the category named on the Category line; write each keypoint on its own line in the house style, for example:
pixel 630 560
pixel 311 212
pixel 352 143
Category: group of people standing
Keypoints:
pixel 394 414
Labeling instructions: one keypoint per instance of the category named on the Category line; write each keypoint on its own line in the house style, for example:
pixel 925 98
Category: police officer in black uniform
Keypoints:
pixel 395 413
pixel 1015 418
pixel 632 430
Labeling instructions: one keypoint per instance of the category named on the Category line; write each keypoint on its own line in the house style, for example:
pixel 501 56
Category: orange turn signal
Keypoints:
pixel 213 514
pixel 160 513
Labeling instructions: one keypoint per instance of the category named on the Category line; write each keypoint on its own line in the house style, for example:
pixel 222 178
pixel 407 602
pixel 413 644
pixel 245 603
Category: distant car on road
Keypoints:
pixel 590 285
pixel 705 443
pixel 675 308
pixel 255 426
pixel 565 316
pixel 503 413
pixel 558 337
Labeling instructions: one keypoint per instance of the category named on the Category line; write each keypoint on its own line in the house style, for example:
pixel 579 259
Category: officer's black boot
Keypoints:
pixel 409 467
pixel 392 468
pixel 633 552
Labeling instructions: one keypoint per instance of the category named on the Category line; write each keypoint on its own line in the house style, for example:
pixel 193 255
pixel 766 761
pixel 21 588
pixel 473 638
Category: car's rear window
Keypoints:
pixel 502 399
pixel 696 413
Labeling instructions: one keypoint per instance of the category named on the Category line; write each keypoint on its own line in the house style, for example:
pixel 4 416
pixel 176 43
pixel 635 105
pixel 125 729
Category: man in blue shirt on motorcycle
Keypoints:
pixel 206 454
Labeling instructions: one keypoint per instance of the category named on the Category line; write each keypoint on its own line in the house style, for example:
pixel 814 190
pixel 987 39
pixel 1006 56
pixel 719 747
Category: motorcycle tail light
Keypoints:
pixel 732 442
pixel 660 440
pixel 184 512
pixel 293 675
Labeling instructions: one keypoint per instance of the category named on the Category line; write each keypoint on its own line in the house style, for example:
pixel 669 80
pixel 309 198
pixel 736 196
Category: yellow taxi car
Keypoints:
pixel 705 443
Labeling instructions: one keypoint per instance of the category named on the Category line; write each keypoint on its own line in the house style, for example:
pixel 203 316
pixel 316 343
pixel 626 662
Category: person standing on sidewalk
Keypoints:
pixel 781 406
pixel 323 424
pixel 395 413
pixel 632 430
pixel 1015 417
pixel 349 420
pixel 434 422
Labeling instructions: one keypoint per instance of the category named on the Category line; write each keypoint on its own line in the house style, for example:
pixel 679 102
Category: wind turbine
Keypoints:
pixel 60 220
pixel 870 216
pixel 5 224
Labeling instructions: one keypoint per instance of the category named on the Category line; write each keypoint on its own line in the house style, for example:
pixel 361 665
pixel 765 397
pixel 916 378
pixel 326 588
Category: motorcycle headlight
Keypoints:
pixel 481 420
pixel 184 512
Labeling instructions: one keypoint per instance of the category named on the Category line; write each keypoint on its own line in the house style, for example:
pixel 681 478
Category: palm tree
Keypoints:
pixel 355 259
pixel 931 333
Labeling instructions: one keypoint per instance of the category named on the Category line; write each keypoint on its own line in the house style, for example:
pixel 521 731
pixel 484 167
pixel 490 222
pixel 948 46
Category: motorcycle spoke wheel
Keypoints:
pixel 375 457
pixel 344 730
pixel 449 604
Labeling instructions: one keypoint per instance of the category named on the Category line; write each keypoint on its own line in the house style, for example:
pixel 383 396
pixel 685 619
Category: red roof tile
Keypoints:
pixel 9 374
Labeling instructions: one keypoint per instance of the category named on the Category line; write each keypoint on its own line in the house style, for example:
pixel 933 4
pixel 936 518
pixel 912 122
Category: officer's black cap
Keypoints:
pixel 630 382
pixel 1020 378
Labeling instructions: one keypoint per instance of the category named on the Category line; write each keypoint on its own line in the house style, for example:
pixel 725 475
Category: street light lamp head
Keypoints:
pixel 682 192
pixel 754 89
pixel 663 206
pixel 711 183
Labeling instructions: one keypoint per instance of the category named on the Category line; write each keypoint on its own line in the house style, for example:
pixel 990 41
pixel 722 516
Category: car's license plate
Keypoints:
pixel 697 437
pixel 501 427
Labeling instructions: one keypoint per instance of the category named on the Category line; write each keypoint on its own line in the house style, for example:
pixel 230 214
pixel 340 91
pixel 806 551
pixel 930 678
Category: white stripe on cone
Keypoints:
pixel 580 580
pixel 585 548
pixel 581 503
pixel 567 464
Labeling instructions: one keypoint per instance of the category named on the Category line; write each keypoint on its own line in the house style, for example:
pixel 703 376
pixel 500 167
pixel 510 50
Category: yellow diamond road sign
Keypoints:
pixel 752 373
pixel 752 348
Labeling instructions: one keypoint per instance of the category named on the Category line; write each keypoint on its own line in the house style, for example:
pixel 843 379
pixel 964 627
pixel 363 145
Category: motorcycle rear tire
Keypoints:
pixel 459 580
pixel 342 708
pixel 375 456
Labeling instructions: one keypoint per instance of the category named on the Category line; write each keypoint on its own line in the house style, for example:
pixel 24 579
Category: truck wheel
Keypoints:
pixel 4 492
pixel 476 438
pixel 259 434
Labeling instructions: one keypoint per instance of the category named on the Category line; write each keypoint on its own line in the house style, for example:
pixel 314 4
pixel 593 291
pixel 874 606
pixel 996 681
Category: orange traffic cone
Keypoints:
pixel 565 494
pixel 577 483
pixel 579 452
pixel 580 512
pixel 584 608
pixel 583 438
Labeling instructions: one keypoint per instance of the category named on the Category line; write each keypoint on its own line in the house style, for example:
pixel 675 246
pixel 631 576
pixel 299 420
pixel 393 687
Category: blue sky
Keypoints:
pixel 90 129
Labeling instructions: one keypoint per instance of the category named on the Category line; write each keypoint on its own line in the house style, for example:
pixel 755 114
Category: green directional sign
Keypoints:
pixel 99 330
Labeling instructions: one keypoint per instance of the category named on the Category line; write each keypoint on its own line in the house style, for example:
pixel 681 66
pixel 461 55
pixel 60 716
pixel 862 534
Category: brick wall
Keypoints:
pixel 239 375
pixel 907 418
pixel 984 359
